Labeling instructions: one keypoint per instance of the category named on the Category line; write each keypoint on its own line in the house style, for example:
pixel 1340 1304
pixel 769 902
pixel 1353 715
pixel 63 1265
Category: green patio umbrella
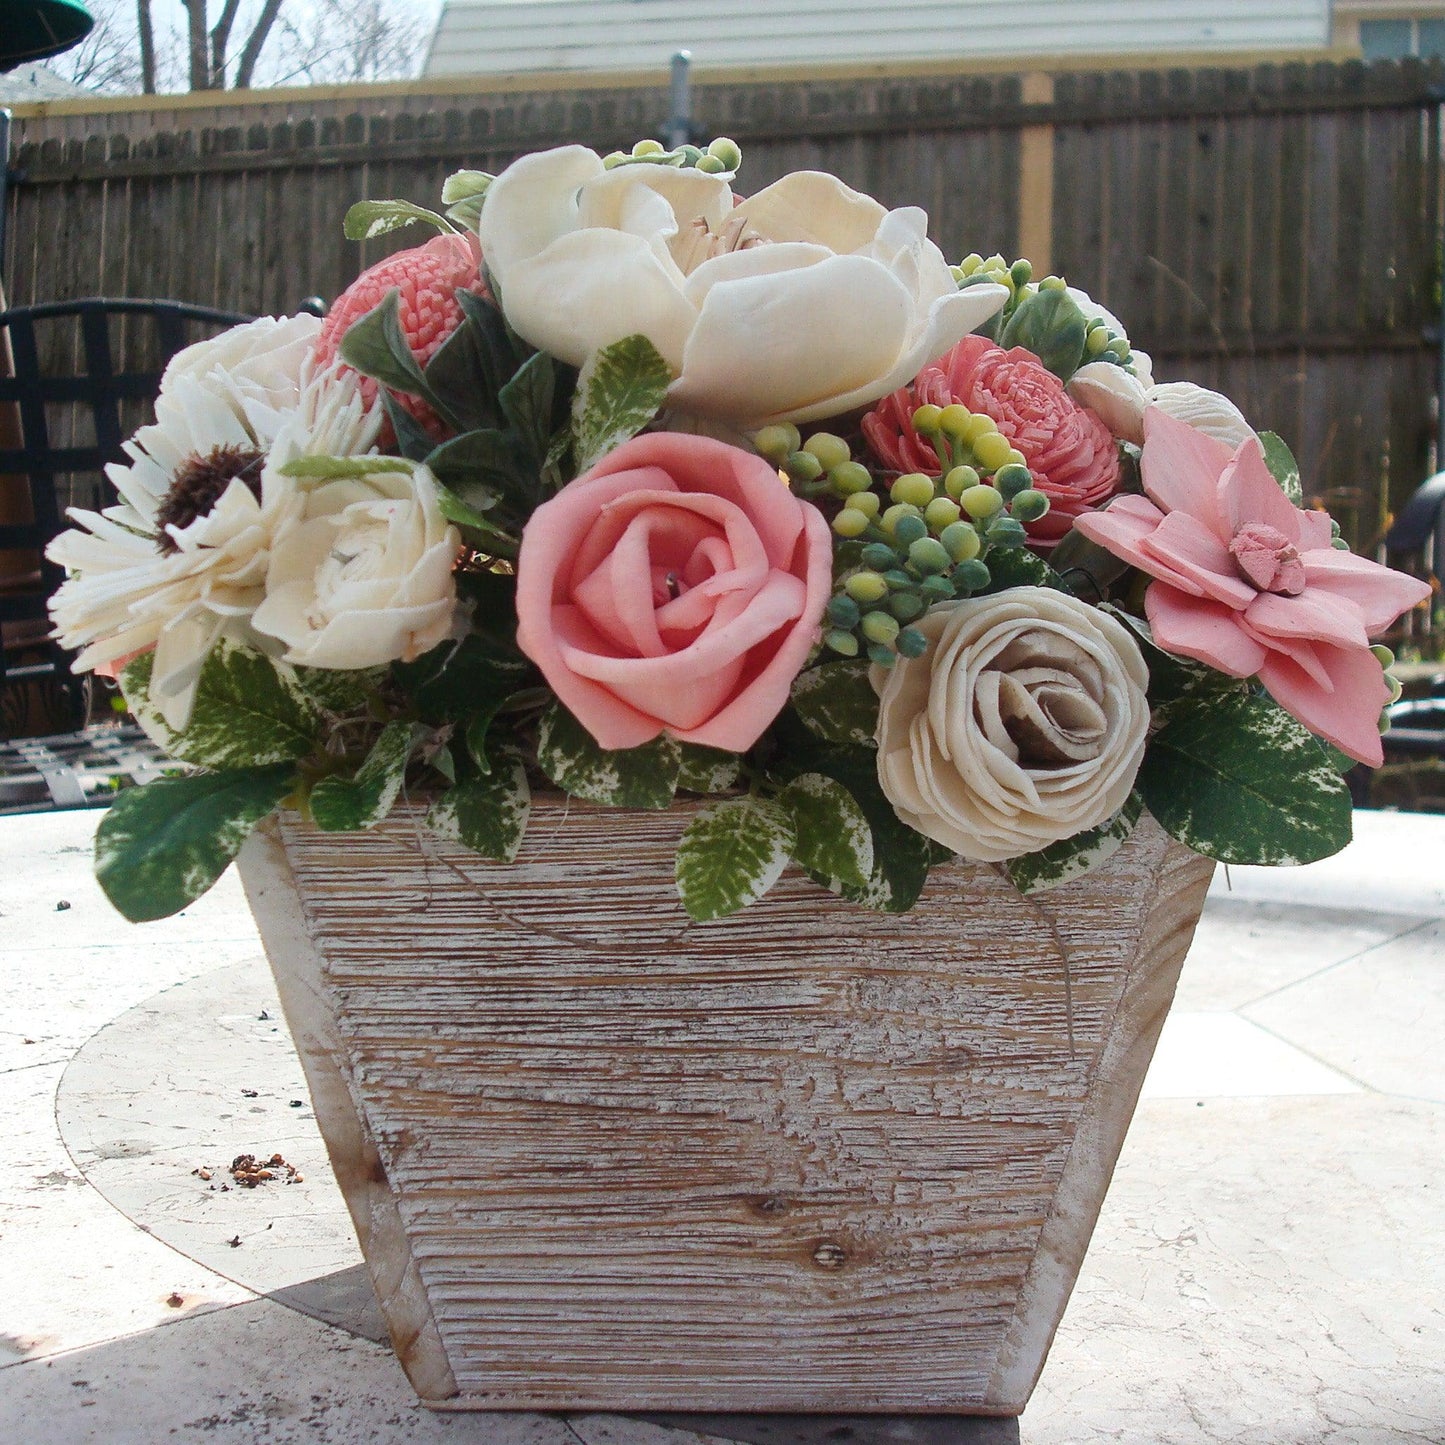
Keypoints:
pixel 33 29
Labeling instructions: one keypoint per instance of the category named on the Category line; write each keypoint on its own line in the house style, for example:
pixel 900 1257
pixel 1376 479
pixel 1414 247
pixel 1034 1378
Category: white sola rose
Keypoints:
pixel 1023 724
pixel 366 576
pixel 180 561
pixel 1120 401
pixel 805 300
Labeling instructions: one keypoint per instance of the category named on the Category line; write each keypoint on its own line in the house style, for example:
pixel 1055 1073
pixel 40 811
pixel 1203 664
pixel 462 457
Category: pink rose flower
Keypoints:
pixel 676 587
pixel 1070 452
pixel 1249 583
pixel 428 278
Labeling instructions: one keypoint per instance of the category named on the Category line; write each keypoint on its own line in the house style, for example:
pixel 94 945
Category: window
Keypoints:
pixel 1395 39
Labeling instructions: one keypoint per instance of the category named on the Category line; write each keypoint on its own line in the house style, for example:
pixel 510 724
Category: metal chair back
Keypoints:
pixel 93 387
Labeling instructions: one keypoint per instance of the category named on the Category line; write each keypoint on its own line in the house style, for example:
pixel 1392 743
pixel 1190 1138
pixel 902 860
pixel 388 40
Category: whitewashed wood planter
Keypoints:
pixel 810 1158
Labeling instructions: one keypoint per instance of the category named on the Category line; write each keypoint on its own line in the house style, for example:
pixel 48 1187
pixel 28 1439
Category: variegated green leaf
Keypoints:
pixel 1073 857
pixel 159 847
pixel 833 838
pixel 621 388
pixel 731 855
pixel 489 814
pixel 342 805
pixel 249 711
pixel 644 777
pixel 369 219
pixel 1236 778
pixel 708 770
pixel 837 703
pixel 1282 466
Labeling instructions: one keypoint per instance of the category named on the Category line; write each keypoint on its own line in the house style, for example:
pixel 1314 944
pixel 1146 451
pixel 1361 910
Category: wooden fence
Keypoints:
pixel 1273 231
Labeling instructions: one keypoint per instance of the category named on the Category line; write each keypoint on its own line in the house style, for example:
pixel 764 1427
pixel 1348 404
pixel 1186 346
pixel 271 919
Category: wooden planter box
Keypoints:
pixel 809 1158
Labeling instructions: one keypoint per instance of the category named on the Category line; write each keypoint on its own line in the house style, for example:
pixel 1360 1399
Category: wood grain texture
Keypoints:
pixel 810 1158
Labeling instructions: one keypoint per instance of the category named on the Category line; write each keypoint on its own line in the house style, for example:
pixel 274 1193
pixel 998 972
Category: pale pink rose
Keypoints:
pixel 676 587
pixel 1249 583
pixel 1070 452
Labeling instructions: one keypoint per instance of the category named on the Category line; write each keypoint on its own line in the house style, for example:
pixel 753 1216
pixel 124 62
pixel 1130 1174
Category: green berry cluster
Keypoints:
pixel 721 157
pixel 821 465
pixel 1386 659
pixel 931 545
pixel 1101 341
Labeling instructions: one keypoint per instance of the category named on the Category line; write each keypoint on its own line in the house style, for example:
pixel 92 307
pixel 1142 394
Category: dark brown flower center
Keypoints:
pixel 200 482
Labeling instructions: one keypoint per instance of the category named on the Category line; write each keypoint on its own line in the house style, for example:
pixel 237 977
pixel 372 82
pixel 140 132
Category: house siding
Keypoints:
pixel 488 37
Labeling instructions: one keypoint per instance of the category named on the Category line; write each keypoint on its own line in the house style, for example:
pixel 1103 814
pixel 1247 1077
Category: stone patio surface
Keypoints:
pixel 1269 1267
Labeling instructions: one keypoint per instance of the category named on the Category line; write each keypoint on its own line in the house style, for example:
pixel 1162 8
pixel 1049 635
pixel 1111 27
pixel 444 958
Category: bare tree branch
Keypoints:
pixel 252 53
pixel 220 42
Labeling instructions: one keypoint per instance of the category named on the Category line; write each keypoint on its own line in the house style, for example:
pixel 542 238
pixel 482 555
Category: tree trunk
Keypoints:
pixel 252 53
pixel 147 47
pixel 200 58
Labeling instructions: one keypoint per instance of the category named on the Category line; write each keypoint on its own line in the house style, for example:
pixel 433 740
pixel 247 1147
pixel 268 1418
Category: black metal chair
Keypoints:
pixel 52 404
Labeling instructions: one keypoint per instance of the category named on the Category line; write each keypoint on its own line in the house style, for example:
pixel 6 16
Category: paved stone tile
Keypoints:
pixel 1245 949
pixel 1379 1017
pixel 1268 1272
pixel 1218 1055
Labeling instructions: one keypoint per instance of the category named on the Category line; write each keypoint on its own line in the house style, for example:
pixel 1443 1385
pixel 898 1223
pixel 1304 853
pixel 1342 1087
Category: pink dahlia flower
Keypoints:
pixel 1070 452
pixel 1249 583
pixel 676 587
pixel 428 278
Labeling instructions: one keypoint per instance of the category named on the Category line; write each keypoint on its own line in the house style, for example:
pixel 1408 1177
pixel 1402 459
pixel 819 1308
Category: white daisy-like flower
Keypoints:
pixel 181 560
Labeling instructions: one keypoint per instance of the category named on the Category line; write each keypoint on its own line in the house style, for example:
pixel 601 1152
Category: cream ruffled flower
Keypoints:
pixel 366 577
pixel 181 560
pixel 1023 724
pixel 1120 401
pixel 803 301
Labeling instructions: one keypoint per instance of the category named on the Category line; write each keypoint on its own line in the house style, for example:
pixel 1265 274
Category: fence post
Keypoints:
pixel 1036 179
pixel 4 192
pixel 679 126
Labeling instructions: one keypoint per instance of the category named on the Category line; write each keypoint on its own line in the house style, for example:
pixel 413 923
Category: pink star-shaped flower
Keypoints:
pixel 1249 583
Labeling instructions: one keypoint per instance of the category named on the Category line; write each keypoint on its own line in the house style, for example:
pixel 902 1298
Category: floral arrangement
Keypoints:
pixel 632 488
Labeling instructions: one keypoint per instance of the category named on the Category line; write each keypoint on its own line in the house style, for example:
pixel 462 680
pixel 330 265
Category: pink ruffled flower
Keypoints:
pixel 676 587
pixel 1070 452
pixel 1250 584
pixel 428 278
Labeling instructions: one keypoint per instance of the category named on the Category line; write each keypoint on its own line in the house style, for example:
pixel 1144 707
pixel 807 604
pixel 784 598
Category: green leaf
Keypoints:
pixel 332 469
pixel 479 725
pixel 708 770
pixel 837 703
pixel 452 681
pixel 526 402
pixel 488 467
pixel 1171 678
pixel 731 855
pixel 377 347
pixel 1086 569
pixel 368 219
pixel 248 711
pixel 1282 466
pixel 471 367
pixel 833 838
pixel 413 440
pixel 1073 857
pixel 644 777
pixel 1018 567
pixel 621 389
pixel 488 815
pixel 465 515
pixel 342 805
pixel 159 847
pixel 1050 324
pixel 464 185
pixel 1238 779
pixel 339 691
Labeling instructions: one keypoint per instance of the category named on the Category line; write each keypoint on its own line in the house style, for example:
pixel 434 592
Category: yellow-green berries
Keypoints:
pixel 992 450
pixel 959 480
pixel 851 523
pixel 981 502
pixel 729 152
pixel 866 502
pixel 778 442
pixel 866 586
pixel 831 451
pixel 940 513
pixel 913 488
pixel 850 478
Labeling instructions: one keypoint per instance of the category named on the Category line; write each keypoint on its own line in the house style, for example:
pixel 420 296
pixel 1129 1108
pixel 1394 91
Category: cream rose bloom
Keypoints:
pixel 1120 401
pixel 1024 723
pixel 365 578
pixel 803 301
